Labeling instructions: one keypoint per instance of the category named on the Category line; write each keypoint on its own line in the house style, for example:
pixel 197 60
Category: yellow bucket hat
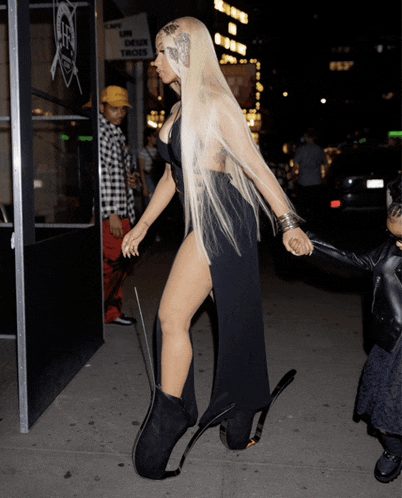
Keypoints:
pixel 113 95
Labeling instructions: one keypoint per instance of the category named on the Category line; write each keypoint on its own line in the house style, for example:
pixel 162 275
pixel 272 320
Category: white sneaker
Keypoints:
pixel 124 320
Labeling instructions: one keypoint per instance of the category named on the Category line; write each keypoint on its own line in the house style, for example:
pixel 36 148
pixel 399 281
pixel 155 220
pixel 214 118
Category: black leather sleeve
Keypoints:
pixel 325 251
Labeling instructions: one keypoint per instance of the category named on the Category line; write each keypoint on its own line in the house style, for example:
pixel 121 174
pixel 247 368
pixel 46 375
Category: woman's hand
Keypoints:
pixel 133 238
pixel 297 242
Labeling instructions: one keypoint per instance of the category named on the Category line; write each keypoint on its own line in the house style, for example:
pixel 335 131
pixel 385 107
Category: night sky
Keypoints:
pixel 294 44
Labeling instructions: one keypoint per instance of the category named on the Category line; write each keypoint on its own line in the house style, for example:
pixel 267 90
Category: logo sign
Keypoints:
pixel 64 23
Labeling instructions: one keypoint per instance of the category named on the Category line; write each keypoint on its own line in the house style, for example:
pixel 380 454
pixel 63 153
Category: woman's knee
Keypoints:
pixel 172 323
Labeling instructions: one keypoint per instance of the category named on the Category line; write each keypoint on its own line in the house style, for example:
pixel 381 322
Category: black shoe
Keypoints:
pixel 235 432
pixel 165 424
pixel 124 320
pixel 389 465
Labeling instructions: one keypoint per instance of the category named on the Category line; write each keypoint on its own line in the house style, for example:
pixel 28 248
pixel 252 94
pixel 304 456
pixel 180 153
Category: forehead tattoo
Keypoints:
pixel 171 28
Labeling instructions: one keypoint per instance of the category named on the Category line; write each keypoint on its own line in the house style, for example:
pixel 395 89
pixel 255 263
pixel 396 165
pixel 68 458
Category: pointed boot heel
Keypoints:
pixel 195 438
pixel 235 432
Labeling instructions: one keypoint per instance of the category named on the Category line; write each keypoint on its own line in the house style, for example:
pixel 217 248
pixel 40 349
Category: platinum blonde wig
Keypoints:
pixel 214 136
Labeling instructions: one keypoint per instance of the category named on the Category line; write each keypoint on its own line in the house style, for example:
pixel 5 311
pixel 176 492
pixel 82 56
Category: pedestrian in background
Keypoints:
pixel 151 167
pixel 117 182
pixel 150 164
pixel 311 162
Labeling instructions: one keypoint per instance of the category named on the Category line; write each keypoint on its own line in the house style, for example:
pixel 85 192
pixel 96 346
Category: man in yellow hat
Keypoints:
pixel 117 198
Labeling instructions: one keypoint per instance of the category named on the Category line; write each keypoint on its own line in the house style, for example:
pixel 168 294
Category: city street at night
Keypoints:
pixel 311 446
pixel 121 123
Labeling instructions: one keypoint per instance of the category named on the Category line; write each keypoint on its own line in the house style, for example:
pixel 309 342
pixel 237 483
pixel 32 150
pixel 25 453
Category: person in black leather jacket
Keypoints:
pixel 379 399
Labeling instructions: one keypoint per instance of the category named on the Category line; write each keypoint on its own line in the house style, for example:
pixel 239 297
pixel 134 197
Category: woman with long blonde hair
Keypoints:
pixel 223 181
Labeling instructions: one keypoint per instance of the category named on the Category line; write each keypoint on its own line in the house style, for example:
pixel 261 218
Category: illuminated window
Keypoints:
pixel 341 65
pixel 229 44
pixel 232 28
pixel 228 59
pixel 241 49
pixel 231 11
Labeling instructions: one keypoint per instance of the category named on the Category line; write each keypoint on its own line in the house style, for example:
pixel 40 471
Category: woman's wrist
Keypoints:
pixel 144 223
pixel 288 222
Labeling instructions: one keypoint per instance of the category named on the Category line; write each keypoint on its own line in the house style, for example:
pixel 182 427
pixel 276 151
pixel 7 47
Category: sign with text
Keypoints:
pixel 128 39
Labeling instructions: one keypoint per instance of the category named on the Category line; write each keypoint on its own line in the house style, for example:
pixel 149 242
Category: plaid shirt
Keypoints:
pixel 116 161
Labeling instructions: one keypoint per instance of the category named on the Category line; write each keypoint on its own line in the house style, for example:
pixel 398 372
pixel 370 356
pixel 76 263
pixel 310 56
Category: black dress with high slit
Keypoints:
pixel 241 375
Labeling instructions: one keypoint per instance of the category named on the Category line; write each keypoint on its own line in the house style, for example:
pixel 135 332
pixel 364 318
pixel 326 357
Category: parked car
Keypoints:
pixel 357 179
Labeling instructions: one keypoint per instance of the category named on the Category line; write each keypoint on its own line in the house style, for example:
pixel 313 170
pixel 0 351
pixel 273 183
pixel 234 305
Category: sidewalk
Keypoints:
pixel 310 448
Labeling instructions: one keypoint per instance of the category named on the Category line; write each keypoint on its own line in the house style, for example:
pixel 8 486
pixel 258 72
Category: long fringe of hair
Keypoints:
pixel 214 136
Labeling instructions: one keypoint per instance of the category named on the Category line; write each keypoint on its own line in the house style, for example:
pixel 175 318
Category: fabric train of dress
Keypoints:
pixel 241 375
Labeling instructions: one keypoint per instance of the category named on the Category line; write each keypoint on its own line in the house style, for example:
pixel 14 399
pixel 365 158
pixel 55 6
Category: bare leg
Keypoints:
pixel 188 285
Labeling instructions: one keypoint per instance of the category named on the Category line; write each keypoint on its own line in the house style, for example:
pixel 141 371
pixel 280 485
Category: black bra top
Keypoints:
pixel 171 152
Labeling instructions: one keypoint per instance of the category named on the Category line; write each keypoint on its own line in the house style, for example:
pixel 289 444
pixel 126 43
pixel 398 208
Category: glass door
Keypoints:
pixel 56 228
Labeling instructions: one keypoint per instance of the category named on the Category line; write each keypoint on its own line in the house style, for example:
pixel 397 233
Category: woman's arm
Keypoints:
pixel 241 144
pixel 163 194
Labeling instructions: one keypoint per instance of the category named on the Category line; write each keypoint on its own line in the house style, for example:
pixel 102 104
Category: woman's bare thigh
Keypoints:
pixel 188 285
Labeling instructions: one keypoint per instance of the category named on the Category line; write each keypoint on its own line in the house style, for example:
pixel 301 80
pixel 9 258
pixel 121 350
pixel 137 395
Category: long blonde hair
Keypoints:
pixel 214 135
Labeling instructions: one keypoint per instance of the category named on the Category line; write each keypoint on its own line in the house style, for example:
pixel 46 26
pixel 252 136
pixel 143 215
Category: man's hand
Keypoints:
pixel 116 226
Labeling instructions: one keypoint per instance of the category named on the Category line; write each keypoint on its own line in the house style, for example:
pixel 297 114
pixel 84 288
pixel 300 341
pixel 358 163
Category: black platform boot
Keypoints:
pixel 164 425
pixel 389 465
pixel 235 432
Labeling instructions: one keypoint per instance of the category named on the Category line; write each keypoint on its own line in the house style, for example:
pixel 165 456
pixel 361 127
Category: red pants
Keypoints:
pixel 114 272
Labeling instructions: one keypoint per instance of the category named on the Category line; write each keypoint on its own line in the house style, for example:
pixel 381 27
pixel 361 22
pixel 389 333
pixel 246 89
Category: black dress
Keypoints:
pixel 241 375
pixel 380 392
